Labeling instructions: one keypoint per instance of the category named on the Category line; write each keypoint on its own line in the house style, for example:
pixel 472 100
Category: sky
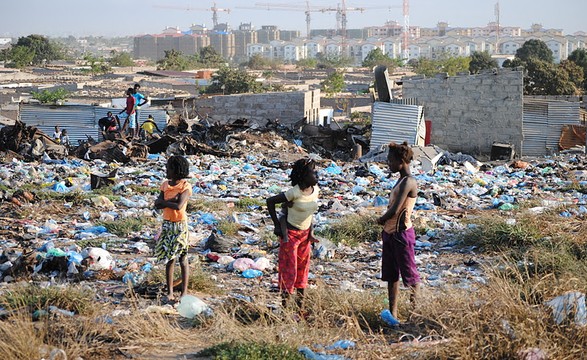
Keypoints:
pixel 138 17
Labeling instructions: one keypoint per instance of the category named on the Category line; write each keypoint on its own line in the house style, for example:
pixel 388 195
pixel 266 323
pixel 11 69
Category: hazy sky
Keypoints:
pixel 126 17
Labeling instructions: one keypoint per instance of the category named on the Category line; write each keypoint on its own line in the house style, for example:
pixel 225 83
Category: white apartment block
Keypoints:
pixel 423 47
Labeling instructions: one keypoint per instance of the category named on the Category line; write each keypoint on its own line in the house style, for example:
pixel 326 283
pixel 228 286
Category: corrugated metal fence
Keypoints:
pixel 397 123
pixel 79 120
pixel 543 122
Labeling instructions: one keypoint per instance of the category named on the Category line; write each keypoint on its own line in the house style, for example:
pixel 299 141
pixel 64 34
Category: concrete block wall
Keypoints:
pixel 471 112
pixel 288 107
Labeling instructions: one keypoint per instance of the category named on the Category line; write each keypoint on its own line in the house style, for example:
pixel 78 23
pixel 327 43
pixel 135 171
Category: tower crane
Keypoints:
pixel 215 10
pixel 290 7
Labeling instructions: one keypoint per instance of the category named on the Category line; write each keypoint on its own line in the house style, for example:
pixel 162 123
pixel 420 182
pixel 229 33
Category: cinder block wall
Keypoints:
pixel 471 112
pixel 288 107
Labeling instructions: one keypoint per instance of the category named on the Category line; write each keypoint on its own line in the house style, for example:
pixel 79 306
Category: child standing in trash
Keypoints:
pixel 398 234
pixel 295 233
pixel 173 241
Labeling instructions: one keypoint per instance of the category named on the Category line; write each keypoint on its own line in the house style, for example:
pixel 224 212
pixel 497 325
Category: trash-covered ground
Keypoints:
pixel 82 225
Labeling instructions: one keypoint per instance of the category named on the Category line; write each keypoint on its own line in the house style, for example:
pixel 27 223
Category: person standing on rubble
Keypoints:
pixel 140 100
pixel 295 231
pixel 173 241
pixel 128 114
pixel 398 235
pixel 65 139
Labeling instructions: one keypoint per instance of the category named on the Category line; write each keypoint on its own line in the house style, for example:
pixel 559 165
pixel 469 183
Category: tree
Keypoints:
pixel 97 64
pixel 444 64
pixel 19 57
pixel 546 78
pixel 534 48
pixel 308 63
pixel 575 74
pixel 51 96
pixel 332 61
pixel 173 60
pixel 579 57
pixel 481 61
pixel 258 62
pixel 210 57
pixel 377 57
pixel 42 49
pixel 233 81
pixel 120 58
pixel 334 83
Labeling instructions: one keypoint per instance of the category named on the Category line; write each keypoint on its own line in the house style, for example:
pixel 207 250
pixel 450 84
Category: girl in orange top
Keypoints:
pixel 173 241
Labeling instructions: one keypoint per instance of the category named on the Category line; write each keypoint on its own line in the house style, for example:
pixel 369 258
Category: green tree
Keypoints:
pixel 210 57
pixel 579 57
pixel 377 57
pixel 42 48
pixel 546 78
pixel 332 61
pixel 575 74
pixel 120 58
pixel 98 65
pixel 334 83
pixel 233 81
pixel 19 57
pixel 534 48
pixel 444 64
pixel 173 60
pixel 481 61
pixel 51 96
pixel 258 62
pixel 308 63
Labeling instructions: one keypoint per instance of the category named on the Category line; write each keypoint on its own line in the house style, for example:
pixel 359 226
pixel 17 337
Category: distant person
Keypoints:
pixel 108 125
pixel 295 231
pixel 173 241
pixel 57 135
pixel 128 114
pixel 167 118
pixel 149 127
pixel 140 100
pixel 399 238
pixel 65 138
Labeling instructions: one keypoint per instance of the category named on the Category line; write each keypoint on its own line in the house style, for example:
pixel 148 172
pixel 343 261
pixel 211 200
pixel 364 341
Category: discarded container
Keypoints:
pixel 570 305
pixel 100 259
pixel 251 273
pixel 191 306
pixel 388 318
pixel 243 264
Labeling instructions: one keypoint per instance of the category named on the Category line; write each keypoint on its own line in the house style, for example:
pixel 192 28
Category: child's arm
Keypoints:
pixel 174 204
pixel 160 200
pixel 271 202
pixel 405 188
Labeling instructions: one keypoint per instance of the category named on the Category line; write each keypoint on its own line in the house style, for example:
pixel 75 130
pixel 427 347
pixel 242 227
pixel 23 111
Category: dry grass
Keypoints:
pixel 353 229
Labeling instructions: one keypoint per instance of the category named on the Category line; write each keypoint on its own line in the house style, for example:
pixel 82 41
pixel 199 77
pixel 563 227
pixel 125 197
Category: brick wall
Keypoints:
pixel 288 107
pixel 471 112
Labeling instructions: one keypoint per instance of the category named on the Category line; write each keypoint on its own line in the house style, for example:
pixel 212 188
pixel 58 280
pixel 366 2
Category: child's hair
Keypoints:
pixel 179 165
pixel 402 152
pixel 64 132
pixel 300 169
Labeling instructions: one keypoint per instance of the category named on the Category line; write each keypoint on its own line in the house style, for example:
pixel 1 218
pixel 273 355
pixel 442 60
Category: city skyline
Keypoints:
pixel 130 18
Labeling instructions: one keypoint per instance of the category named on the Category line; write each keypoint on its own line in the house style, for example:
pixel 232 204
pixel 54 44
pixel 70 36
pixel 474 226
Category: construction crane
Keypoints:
pixel 290 7
pixel 215 10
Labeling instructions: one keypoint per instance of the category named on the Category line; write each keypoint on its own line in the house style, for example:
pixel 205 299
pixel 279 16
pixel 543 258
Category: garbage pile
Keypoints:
pixel 222 140
pixel 70 211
